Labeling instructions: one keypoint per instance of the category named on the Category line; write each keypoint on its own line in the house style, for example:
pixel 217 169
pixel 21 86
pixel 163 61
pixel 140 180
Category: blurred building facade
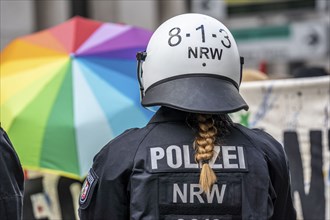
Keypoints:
pixel 275 36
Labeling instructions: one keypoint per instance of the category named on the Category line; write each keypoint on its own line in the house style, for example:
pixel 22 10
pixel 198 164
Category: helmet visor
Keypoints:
pixel 196 93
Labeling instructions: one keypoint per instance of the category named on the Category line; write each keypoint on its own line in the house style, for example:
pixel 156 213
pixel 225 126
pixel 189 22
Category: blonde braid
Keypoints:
pixel 204 145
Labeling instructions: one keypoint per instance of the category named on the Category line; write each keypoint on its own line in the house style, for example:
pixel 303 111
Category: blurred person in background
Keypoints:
pixel 191 161
pixel 11 180
pixel 253 75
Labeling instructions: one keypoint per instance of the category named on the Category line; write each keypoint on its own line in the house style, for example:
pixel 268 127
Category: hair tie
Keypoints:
pixel 205 162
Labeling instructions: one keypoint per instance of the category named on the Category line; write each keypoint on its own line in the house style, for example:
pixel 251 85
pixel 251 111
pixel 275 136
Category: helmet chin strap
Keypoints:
pixel 140 57
pixel 241 70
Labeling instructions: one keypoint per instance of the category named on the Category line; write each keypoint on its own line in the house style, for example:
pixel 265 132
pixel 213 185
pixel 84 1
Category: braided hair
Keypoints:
pixel 209 130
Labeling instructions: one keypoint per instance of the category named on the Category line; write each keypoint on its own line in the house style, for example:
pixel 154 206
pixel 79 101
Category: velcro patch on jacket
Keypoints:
pixel 202 217
pixel 181 195
pixel 87 189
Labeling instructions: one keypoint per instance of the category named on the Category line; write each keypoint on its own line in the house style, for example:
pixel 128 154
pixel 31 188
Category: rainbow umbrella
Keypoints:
pixel 66 91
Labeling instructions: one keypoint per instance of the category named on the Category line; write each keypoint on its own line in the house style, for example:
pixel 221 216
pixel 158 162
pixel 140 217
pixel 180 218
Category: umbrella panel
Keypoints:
pixel 59 137
pixel 27 129
pixel 22 87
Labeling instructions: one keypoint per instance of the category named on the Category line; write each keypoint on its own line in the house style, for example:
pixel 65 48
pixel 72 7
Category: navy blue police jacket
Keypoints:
pixel 150 173
pixel 11 180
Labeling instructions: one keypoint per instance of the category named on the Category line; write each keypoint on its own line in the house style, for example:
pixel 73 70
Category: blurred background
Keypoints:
pixel 274 36
pixel 278 38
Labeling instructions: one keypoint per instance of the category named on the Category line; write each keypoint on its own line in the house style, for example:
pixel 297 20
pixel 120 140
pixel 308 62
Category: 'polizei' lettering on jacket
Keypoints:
pixel 174 157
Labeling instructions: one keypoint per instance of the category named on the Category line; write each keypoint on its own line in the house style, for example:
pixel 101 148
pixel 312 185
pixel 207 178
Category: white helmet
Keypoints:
pixel 192 64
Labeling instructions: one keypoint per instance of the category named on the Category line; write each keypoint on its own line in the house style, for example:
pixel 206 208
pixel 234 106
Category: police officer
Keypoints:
pixel 11 180
pixel 191 161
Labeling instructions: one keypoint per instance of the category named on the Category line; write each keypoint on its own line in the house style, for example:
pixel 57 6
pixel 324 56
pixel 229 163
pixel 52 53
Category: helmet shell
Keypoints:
pixel 192 57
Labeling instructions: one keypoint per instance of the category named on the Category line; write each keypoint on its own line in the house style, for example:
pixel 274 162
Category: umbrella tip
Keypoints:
pixel 72 55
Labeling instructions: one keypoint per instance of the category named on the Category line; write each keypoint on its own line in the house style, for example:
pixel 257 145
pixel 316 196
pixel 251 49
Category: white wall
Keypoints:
pixel 17 19
pixel 50 13
pixel 141 13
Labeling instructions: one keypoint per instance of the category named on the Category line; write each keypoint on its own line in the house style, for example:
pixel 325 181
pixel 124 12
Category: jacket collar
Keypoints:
pixel 165 114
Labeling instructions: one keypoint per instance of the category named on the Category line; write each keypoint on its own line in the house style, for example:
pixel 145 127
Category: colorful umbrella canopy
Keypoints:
pixel 66 91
